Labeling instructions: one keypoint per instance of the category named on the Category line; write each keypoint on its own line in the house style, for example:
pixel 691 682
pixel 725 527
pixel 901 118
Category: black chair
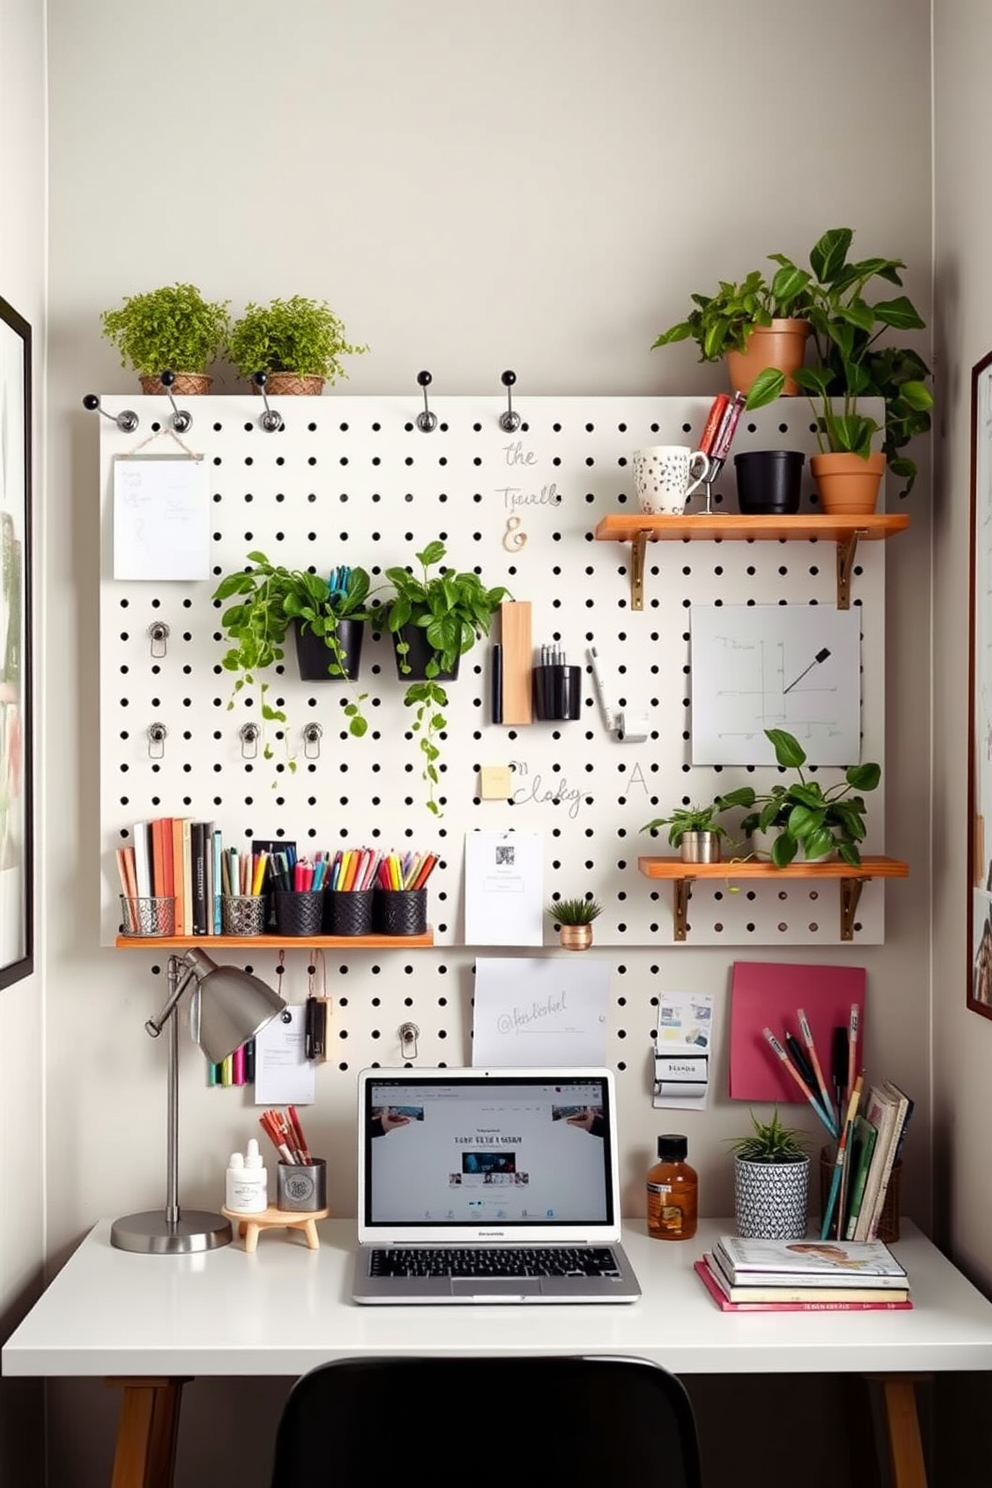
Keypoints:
pixel 598 1421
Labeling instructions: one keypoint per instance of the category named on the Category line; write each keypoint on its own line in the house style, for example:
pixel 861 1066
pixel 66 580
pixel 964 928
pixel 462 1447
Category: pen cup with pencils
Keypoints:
pixel 557 691
pixel 348 911
pixel 148 916
pixel 399 911
pixel 888 1220
pixel 242 914
pixel 299 911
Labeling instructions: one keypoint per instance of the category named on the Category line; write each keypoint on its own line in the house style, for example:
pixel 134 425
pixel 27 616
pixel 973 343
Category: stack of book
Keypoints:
pixel 803 1276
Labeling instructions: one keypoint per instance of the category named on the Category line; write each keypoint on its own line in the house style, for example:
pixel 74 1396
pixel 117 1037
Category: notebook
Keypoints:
pixel 489 1186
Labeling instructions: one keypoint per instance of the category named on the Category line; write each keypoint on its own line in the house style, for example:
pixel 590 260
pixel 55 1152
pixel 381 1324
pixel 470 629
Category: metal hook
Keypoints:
pixel 127 420
pixel 248 734
pixel 509 421
pixel 158 633
pixel 182 421
pixel 312 735
pixel 426 421
pixel 270 420
pixel 409 1034
pixel 157 733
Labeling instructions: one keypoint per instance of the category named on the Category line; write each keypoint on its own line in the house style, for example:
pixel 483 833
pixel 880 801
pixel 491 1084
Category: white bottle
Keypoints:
pixel 247 1182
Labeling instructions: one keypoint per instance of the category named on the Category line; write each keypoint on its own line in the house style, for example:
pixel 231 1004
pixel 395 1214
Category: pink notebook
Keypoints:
pixel 766 994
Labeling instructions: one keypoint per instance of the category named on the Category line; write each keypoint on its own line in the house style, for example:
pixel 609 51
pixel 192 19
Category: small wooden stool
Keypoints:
pixel 249 1225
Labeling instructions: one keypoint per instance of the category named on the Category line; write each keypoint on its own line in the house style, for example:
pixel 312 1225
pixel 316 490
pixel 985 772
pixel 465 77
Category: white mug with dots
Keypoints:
pixel 666 475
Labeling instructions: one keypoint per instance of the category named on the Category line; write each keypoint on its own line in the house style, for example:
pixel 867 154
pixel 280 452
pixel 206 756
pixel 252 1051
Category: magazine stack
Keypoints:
pixel 803 1276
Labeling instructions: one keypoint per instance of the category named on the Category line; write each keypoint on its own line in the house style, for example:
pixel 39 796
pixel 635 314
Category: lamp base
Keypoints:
pixel 152 1233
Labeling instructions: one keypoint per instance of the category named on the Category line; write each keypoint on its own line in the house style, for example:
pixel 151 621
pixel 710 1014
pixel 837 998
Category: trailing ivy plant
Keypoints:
pixel 318 606
pixel 454 610
pixel 256 625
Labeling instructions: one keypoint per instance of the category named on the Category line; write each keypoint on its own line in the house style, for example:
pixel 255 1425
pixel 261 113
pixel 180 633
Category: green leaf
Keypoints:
pixel 788 750
pixel 900 314
pixel 784 849
pixel 864 777
pixel 829 254
pixel 765 388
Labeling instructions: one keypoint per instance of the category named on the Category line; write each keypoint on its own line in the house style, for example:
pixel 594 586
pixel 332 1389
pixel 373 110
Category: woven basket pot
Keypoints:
pixel 291 385
pixel 771 1200
pixel 781 345
pixel 186 384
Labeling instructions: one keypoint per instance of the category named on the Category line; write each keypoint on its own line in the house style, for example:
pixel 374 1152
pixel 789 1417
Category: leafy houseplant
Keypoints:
pixel 169 329
pixel 807 817
pixel 297 336
pixel 333 613
pixel 686 824
pixel 849 363
pixel 771 1180
pixel 723 321
pixel 449 612
pixel 574 918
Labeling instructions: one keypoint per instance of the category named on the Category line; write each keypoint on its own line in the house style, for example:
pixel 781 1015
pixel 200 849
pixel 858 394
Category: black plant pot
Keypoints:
pixel 418 656
pixel 768 482
pixel 314 656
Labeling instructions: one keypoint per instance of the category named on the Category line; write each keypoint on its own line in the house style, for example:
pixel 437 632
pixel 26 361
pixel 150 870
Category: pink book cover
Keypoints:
pixel 766 994
pixel 703 1272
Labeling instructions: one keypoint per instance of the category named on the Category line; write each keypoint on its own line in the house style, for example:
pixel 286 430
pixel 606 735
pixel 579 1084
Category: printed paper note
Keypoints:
pixel 540 1012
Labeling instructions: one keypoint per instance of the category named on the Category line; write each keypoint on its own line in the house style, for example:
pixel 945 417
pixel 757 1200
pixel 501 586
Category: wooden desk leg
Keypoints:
pixel 903 1426
pixel 145 1454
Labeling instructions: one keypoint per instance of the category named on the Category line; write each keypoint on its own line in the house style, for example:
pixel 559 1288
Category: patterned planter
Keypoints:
pixel 771 1199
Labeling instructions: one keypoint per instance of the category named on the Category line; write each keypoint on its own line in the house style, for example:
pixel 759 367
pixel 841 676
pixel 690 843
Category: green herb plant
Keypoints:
pixel 700 818
pixel 849 363
pixel 770 1142
pixel 805 815
pixel 454 610
pixel 575 911
pixel 294 335
pixel 723 321
pixel 169 329
pixel 308 600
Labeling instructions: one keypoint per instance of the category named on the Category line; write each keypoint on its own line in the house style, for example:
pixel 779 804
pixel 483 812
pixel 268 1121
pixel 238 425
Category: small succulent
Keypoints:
pixel 574 911
pixel 770 1142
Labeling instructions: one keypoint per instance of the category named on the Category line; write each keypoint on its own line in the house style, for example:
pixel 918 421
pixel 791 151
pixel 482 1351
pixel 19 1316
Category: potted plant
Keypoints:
pixel 574 919
pixel 434 619
pixel 298 343
pixel 805 817
pixel 172 329
pixel 771 1181
pixel 850 365
pixel 753 325
pixel 695 831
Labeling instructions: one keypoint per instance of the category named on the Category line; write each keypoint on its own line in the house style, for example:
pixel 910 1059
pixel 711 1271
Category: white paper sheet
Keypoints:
pixel 161 517
pixel 504 888
pixel 283 1074
pixel 683 1051
pixel 531 1011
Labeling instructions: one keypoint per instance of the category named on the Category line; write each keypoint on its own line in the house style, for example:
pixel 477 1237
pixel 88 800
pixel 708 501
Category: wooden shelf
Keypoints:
pixel 276 942
pixel 851 880
pixel 639 529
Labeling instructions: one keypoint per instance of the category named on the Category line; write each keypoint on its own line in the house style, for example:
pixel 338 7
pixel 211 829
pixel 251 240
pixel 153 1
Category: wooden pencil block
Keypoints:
pixel 517 653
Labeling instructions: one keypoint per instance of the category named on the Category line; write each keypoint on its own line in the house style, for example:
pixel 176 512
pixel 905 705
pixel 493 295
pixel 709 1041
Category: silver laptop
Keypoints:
pixel 489 1186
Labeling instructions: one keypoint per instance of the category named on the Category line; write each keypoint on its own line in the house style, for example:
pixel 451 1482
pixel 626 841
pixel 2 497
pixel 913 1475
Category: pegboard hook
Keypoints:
pixel 509 421
pixel 157 733
pixel 270 420
pixel 248 734
pixel 127 420
pixel 409 1034
pixel 426 421
pixel 158 634
pixel 182 421
pixel 312 735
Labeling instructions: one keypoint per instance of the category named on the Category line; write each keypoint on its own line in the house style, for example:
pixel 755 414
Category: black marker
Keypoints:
pixel 496 681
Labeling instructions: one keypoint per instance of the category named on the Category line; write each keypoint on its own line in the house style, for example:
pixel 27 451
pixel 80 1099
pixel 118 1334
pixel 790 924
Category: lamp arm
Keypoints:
pixel 177 986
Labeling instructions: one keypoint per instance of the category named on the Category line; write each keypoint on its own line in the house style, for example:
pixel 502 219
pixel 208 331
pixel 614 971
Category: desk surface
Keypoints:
pixel 285 1309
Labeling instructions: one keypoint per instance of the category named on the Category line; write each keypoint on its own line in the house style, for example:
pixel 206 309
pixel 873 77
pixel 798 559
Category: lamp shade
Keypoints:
pixel 234 1005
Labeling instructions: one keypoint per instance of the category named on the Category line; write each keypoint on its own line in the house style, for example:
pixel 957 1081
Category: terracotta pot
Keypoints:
pixel 847 484
pixel 186 385
pixel 291 385
pixel 781 345
pixel 575 937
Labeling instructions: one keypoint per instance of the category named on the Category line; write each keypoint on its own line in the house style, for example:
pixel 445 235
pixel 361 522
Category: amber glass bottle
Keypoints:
pixel 672 1192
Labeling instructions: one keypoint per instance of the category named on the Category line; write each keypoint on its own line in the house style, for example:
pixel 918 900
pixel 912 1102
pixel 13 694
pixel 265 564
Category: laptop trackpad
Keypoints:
pixel 495 1287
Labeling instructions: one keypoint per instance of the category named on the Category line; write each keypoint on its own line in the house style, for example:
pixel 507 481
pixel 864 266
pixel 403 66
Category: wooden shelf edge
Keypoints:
pixel 275 942
pixel 733 527
pixel 674 868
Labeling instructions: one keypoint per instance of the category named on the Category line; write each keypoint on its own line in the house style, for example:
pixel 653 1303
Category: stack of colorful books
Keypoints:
pixel 803 1276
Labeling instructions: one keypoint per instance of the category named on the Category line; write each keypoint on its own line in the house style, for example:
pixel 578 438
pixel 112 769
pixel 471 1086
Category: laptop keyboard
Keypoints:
pixel 496 1261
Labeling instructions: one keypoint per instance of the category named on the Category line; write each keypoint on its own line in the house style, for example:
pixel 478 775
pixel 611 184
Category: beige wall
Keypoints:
pixel 472 187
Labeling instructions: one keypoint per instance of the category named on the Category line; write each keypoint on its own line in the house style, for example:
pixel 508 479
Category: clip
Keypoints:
pixel 127 420
pixel 158 634
pixel 426 421
pixel 509 421
pixel 270 420
pixel 182 421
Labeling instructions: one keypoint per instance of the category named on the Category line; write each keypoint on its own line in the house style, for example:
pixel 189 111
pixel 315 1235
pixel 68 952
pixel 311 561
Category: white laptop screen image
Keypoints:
pixel 505 1160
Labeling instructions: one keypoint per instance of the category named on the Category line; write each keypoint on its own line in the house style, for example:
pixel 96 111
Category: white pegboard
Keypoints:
pixel 354 480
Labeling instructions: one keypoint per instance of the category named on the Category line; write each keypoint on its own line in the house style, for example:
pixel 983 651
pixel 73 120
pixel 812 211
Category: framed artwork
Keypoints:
pixel 16 826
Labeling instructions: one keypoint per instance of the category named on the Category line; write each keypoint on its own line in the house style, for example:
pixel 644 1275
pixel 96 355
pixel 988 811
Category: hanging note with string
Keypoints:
pixel 161 516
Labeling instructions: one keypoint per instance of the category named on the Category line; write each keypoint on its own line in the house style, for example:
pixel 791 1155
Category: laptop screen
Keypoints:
pixel 473 1150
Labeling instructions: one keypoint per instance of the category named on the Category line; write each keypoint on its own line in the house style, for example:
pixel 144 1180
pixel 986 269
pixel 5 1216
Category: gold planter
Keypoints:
pixel 575 937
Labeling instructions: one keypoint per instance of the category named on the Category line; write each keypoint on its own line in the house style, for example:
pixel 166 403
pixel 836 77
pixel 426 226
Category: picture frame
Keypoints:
pixel 16 681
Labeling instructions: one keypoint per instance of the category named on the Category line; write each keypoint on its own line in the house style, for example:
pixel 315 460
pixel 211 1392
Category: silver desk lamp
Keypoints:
pixel 233 1007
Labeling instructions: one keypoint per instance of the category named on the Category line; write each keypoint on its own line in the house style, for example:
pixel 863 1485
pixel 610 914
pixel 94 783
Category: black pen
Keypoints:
pixel 838 1071
pixel 798 1056
pixel 496 682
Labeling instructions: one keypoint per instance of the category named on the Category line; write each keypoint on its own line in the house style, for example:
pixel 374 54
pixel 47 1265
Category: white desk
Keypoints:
pixel 149 1322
